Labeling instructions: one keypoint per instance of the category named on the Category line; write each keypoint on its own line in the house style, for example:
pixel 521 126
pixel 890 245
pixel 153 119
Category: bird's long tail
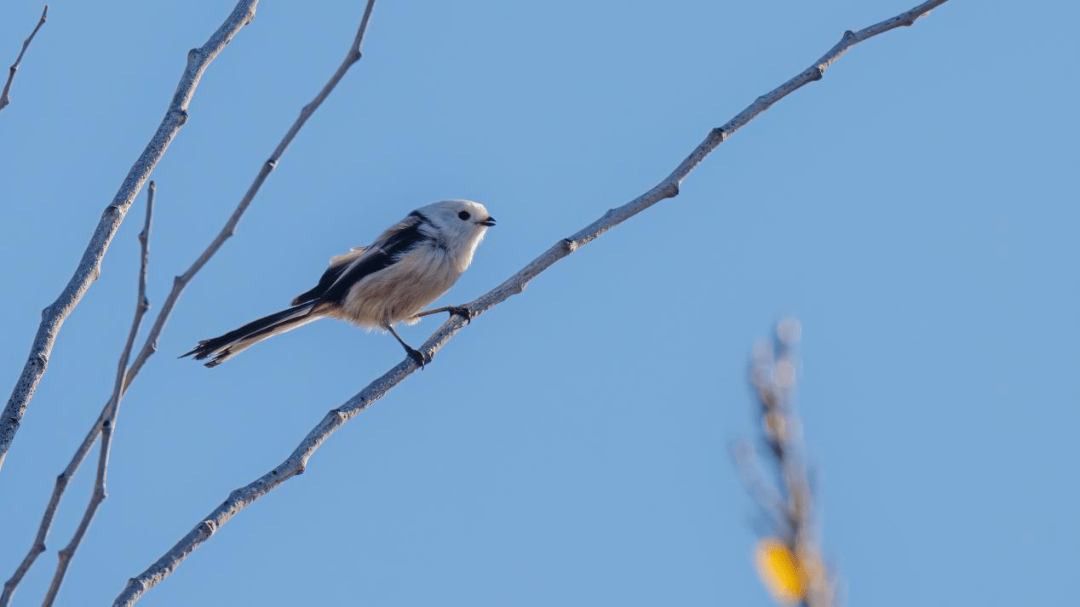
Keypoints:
pixel 221 349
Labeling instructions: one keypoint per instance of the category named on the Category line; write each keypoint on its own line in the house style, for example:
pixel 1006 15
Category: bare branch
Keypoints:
pixel 108 423
pixel 4 100
pixel 50 512
pixel 180 282
pixel 107 413
pixel 149 346
pixel 296 463
pixel 53 317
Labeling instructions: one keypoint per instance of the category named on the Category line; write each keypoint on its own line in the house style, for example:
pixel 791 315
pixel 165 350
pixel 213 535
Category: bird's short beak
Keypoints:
pixel 490 221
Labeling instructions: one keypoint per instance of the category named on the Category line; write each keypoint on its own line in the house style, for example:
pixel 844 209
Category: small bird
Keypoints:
pixel 407 267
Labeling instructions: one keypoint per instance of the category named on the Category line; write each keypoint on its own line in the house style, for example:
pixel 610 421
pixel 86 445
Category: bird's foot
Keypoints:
pixel 461 311
pixel 418 357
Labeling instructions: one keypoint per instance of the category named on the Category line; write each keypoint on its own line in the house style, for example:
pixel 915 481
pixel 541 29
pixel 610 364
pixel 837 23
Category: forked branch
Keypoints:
pixel 53 316
pixel 297 461
pixel 149 346
pixel 108 417
pixel 108 423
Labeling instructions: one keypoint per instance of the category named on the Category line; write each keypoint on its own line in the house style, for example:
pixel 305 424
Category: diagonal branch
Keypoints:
pixel 4 100
pixel 149 346
pixel 180 282
pixel 111 410
pixel 53 316
pixel 108 413
pixel 50 512
pixel 296 463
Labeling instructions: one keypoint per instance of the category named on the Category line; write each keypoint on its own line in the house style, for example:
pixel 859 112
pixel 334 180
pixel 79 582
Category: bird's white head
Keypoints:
pixel 460 225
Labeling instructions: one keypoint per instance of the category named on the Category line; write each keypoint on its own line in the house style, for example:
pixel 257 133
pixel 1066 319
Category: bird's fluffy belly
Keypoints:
pixel 400 291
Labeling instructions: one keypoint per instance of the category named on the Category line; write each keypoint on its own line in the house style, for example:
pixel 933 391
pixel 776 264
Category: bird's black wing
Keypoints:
pixel 329 276
pixel 338 279
pixel 338 265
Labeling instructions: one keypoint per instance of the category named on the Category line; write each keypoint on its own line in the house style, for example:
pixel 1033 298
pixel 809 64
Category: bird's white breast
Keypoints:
pixel 399 291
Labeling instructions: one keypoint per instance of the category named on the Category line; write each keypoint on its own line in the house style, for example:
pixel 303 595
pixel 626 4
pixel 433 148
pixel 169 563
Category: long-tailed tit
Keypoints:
pixel 407 267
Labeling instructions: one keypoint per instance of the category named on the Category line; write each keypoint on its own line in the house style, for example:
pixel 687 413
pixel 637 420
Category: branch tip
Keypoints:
pixel 4 98
pixel 103 427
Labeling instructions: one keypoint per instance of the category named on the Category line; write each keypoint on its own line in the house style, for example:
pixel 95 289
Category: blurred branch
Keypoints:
pixel 296 463
pixel 4 100
pixel 108 423
pixel 773 374
pixel 149 346
pixel 53 316
pixel 768 498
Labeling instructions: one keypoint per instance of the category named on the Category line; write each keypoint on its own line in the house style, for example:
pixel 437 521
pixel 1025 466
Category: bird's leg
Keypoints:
pixel 418 357
pixel 461 311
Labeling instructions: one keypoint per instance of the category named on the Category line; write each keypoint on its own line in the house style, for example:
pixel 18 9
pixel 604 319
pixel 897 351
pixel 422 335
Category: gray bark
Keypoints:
pixel 5 100
pixel 149 346
pixel 53 316
pixel 296 462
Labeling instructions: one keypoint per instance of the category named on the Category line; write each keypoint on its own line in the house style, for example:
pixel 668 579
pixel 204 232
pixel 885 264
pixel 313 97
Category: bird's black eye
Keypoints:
pixel 464 215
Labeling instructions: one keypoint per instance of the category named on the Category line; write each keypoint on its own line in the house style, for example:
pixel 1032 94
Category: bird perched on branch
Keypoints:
pixel 407 267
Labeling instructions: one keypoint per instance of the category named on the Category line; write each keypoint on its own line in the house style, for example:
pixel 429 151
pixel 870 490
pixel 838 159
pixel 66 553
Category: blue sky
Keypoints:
pixel 916 210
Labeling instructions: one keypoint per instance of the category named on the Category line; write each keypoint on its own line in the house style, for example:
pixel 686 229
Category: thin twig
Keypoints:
pixel 50 512
pixel 296 463
pixel 180 282
pixel 149 346
pixel 107 412
pixel 4 100
pixel 108 424
pixel 53 316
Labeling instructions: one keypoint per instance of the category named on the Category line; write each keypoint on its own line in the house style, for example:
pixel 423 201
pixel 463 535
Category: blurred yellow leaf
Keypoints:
pixel 779 571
